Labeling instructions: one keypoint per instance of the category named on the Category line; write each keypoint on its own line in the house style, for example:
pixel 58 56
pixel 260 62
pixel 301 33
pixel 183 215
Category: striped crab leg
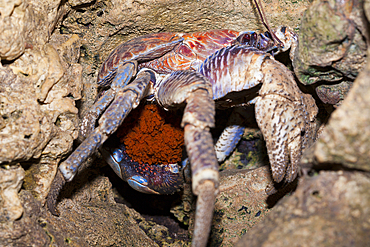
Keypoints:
pixel 120 104
pixel 195 90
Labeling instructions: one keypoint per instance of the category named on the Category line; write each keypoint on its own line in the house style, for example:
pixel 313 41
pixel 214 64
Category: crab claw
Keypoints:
pixel 286 118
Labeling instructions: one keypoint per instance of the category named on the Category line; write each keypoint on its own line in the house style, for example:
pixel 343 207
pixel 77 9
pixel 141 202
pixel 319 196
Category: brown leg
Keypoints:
pixel 195 90
pixel 55 189
pixel 204 213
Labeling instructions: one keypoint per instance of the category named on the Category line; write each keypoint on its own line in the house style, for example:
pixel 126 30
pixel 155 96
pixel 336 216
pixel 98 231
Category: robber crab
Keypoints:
pixel 196 72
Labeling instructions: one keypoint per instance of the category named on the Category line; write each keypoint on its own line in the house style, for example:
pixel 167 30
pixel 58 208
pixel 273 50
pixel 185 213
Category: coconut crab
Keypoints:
pixel 192 72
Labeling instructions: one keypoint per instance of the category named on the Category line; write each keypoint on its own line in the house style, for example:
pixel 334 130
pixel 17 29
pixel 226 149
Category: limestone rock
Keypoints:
pixel 10 183
pixel 345 140
pixel 100 222
pixel 329 209
pixel 332 48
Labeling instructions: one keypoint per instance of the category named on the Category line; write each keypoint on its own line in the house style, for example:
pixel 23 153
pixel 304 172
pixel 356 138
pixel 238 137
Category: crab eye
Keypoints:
pixel 246 39
pixel 254 36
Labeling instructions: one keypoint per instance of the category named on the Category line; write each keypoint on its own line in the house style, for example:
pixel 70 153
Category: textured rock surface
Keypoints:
pixel 240 204
pixel 26 23
pixel 332 48
pixel 37 94
pixel 328 209
pixel 89 218
pixel 58 93
pixel 40 80
pixel 89 215
pixel 39 118
pixel 12 39
pixel 346 138
pixel 10 183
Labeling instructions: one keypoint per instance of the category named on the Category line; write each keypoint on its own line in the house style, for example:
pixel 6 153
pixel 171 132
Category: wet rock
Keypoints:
pixel 332 48
pixel 328 209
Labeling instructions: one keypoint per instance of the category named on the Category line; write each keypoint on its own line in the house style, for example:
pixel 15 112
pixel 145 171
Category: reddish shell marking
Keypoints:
pixel 195 48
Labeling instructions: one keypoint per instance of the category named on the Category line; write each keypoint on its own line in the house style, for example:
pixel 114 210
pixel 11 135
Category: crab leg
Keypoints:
pixel 204 164
pixel 195 90
pixel 124 75
pixel 231 135
pixel 124 101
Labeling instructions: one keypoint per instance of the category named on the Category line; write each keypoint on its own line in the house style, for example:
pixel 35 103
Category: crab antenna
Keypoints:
pixel 265 23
